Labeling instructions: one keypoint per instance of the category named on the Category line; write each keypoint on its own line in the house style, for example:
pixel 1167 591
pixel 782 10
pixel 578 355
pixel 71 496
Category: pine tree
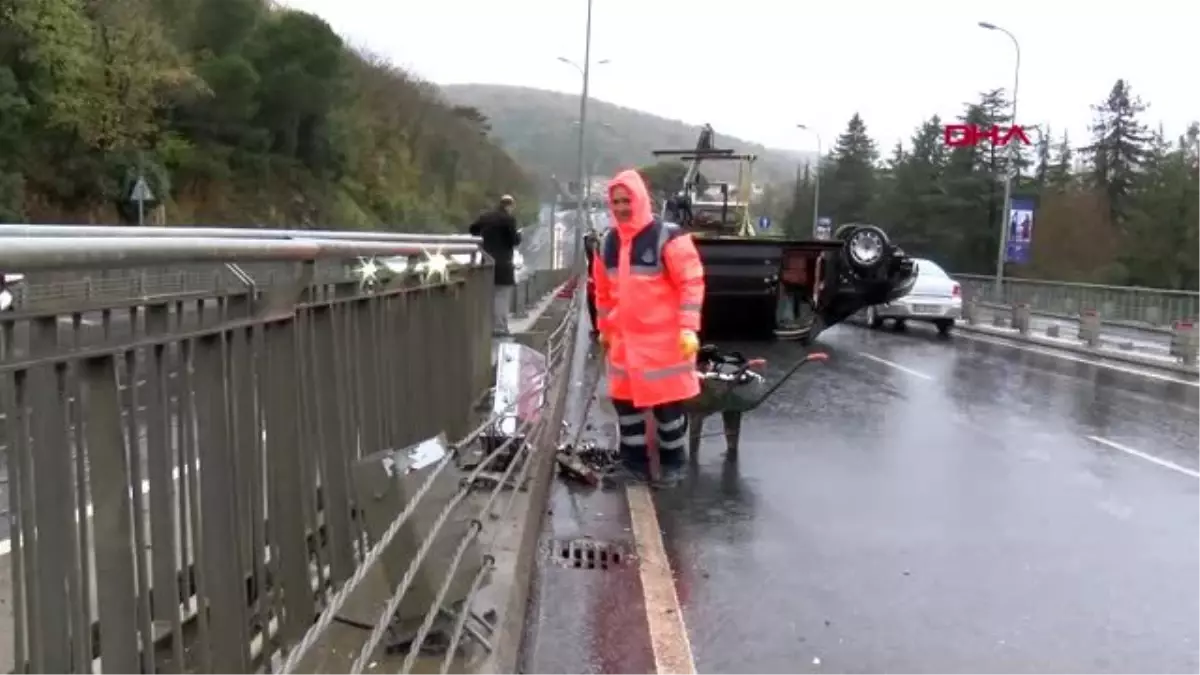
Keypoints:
pixel 798 221
pixel 1042 172
pixel 853 179
pixel 1059 173
pixel 1118 149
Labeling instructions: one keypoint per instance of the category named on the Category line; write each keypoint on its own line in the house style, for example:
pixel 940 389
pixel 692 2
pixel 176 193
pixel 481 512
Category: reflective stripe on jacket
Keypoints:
pixel 649 287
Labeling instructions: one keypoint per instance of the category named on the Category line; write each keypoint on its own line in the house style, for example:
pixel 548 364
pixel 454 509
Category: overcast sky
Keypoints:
pixel 755 68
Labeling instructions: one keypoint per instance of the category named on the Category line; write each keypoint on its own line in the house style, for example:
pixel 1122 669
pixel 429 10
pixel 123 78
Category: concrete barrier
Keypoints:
pixel 1021 318
pixel 1185 342
pixel 971 312
pixel 1089 327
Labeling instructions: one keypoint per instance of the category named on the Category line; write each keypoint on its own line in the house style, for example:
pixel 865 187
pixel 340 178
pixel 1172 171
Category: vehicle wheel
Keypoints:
pixel 873 318
pixel 866 249
pixel 900 325
pixel 944 326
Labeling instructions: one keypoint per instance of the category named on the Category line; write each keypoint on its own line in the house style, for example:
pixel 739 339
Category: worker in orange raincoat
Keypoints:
pixel 649 291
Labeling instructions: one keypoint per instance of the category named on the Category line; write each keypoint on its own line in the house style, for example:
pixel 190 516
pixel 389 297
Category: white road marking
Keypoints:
pixel 668 634
pixel 1142 455
pixel 897 366
pixel 1130 370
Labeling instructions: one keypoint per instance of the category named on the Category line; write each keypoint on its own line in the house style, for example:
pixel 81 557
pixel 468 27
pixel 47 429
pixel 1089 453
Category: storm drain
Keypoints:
pixel 590 554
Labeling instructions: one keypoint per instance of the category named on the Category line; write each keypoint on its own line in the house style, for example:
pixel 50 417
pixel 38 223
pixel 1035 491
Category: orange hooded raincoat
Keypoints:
pixel 649 288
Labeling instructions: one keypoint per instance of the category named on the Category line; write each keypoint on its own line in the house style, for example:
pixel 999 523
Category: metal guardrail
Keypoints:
pixel 73 288
pixel 178 471
pixel 1146 308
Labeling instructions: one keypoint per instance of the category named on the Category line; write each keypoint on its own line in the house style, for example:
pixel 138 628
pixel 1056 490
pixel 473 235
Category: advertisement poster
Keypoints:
pixel 1020 231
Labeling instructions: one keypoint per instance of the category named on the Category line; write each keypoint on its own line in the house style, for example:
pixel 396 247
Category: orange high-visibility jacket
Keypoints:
pixel 649 287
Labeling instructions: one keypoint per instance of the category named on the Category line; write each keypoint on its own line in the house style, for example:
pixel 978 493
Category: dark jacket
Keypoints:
pixel 500 238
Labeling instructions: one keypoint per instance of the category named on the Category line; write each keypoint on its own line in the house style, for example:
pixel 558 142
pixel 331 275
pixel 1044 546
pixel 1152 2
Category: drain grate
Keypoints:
pixel 590 554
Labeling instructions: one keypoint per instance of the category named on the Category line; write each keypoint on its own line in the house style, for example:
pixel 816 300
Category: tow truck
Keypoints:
pixel 763 286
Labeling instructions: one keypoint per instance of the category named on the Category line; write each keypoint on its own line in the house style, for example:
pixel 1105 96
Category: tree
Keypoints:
pixel 797 222
pixel 1059 174
pixel 235 111
pixel 945 202
pixel 852 184
pixel 1118 149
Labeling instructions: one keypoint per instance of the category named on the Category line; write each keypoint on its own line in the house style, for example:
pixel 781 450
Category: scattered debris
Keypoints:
pixel 585 462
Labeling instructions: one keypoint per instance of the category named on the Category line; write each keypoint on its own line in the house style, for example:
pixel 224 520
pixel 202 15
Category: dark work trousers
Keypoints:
pixel 591 307
pixel 590 291
pixel 670 422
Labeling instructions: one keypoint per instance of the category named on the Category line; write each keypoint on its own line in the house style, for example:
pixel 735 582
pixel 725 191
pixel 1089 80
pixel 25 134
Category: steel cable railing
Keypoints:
pixel 530 434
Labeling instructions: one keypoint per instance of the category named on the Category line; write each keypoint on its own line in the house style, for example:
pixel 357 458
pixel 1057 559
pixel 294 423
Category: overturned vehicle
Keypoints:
pixel 757 285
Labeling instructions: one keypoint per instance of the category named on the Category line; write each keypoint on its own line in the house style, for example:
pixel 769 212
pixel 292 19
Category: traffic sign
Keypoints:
pixel 141 191
pixel 764 222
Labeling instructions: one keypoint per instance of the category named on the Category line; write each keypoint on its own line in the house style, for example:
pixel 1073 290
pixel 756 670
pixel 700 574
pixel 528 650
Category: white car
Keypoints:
pixel 934 297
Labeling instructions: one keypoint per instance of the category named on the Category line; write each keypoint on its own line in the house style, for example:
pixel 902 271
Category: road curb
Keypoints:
pixel 1110 355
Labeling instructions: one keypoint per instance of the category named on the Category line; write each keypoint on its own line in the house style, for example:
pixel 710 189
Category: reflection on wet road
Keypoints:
pixel 915 505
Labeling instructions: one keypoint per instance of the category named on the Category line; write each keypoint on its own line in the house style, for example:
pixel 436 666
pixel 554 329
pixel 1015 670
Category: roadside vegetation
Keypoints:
pixel 1120 207
pixel 236 113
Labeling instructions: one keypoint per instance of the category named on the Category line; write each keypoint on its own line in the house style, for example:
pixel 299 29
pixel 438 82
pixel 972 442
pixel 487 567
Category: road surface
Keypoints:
pixel 913 505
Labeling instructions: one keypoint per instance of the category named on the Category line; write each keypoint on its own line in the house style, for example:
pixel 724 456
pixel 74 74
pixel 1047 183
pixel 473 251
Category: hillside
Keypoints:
pixel 538 128
pixel 236 113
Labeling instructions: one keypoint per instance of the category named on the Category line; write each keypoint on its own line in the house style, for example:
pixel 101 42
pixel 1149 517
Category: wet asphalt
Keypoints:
pixel 912 505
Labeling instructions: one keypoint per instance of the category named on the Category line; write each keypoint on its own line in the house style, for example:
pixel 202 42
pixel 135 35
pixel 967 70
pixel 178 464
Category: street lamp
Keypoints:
pixel 817 187
pixel 1005 213
pixel 585 70
pixel 585 73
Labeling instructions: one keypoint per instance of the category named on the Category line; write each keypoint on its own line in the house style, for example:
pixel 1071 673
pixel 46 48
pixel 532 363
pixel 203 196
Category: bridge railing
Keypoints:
pixel 179 471
pixel 72 288
pixel 1151 308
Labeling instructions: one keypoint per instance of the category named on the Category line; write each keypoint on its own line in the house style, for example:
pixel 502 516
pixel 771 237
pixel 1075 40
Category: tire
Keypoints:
pixel 842 233
pixel 877 241
pixel 873 319
pixel 943 327
pixel 900 325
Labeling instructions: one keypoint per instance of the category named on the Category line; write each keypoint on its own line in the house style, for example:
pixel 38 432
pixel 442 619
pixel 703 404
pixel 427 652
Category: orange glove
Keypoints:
pixel 689 343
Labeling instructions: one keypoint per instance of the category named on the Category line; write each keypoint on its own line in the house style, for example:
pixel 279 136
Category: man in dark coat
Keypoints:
pixel 591 244
pixel 498 229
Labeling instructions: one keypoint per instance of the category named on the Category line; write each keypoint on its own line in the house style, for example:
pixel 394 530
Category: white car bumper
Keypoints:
pixel 921 308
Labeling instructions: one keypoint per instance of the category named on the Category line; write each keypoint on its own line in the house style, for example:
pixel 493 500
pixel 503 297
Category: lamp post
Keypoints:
pixel 817 173
pixel 592 154
pixel 1006 212
pixel 585 71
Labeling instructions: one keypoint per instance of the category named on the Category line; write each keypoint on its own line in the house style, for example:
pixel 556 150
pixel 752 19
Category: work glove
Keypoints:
pixel 689 343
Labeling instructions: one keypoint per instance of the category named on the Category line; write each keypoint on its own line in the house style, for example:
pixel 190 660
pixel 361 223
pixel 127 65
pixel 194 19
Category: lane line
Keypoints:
pixel 668 634
pixel 1044 351
pixel 1146 456
pixel 897 366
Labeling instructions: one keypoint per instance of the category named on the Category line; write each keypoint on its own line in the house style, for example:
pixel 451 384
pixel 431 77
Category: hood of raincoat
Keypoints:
pixel 643 212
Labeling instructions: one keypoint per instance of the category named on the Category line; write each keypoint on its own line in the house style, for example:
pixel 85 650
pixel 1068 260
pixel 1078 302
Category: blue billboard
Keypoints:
pixel 1020 231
